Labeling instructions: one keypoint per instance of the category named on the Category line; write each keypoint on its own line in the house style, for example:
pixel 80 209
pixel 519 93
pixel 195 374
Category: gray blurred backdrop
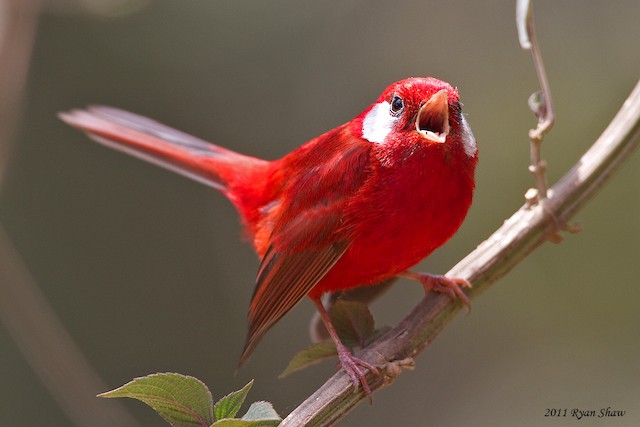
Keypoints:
pixel 148 272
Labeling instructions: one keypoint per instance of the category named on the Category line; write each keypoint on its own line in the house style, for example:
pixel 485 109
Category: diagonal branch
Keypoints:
pixel 527 229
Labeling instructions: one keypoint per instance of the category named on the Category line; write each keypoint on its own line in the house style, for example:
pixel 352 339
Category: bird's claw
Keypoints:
pixel 356 368
pixel 451 286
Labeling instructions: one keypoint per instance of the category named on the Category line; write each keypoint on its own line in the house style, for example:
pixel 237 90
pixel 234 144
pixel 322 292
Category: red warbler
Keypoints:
pixel 353 207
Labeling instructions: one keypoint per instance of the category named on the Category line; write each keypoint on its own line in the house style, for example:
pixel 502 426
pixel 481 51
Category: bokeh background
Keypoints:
pixel 147 271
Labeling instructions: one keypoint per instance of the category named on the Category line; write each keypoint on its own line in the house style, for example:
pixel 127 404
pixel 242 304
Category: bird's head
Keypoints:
pixel 420 111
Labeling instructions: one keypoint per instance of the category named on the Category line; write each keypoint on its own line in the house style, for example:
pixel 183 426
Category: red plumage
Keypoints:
pixel 353 207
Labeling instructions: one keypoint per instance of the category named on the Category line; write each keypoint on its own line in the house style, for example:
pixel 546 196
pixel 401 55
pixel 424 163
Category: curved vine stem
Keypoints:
pixel 540 102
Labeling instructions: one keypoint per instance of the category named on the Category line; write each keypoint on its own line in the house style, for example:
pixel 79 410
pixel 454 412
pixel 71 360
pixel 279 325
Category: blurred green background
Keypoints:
pixel 147 270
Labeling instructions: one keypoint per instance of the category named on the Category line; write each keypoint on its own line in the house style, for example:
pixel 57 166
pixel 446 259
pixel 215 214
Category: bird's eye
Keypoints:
pixel 396 105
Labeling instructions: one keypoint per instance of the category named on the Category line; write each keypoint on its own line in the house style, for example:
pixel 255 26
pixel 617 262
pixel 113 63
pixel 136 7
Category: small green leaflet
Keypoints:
pixel 310 356
pixel 260 414
pixel 228 406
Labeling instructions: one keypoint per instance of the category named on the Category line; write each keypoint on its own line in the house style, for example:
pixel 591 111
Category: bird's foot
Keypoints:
pixel 356 368
pixel 451 286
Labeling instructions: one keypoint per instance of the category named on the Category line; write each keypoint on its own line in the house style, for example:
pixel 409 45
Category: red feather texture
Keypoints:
pixel 352 207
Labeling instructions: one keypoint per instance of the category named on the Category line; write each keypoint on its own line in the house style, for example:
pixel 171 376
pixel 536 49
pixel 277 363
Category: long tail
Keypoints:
pixel 164 146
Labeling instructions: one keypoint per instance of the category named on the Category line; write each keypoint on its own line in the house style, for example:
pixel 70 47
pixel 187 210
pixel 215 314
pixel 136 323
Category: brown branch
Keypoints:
pixel 18 21
pixel 527 229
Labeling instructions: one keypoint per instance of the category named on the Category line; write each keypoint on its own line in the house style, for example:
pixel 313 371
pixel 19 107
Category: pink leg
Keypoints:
pixel 356 368
pixel 451 286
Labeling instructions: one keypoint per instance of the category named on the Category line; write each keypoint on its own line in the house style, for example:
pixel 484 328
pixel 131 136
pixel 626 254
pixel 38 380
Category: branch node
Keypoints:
pixel 573 228
pixel 555 236
pixel 393 369
pixel 531 196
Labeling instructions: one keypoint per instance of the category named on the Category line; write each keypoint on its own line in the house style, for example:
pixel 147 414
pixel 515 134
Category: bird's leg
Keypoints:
pixel 355 367
pixel 451 286
pixel 364 294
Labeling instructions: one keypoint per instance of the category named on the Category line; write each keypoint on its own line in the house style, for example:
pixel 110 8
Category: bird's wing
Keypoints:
pixel 309 235
pixel 283 281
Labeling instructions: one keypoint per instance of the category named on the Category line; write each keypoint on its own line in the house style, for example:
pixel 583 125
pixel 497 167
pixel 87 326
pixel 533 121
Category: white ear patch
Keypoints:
pixel 468 140
pixel 378 123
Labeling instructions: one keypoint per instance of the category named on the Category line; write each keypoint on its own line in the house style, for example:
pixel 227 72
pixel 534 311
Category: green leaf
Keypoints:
pixel 263 412
pixel 229 422
pixel 260 414
pixel 310 356
pixel 228 406
pixel 237 422
pixel 183 401
pixel 353 322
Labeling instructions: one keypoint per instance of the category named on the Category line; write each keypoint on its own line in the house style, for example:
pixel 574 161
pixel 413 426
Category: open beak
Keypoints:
pixel 432 121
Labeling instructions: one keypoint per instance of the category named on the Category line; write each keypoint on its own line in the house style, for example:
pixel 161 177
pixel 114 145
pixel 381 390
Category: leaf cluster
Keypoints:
pixel 185 401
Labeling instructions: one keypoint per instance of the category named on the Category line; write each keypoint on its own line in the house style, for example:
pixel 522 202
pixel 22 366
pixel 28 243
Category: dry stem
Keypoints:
pixel 540 102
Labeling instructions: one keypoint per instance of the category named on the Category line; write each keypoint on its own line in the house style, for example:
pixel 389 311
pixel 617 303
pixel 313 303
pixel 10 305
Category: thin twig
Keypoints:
pixel 540 102
pixel 527 229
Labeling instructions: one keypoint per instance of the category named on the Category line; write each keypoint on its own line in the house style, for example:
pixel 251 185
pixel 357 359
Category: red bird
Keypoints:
pixel 353 207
